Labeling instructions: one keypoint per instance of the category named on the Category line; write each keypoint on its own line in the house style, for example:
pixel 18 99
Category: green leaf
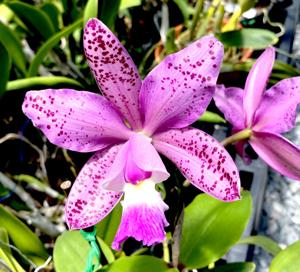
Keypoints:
pixel 137 264
pixel 5 64
pixel 262 241
pixel 125 4
pixel 254 38
pixel 186 10
pixel 234 267
pixel 13 46
pixel 211 227
pixel 90 11
pixel 22 237
pixel 70 252
pixel 42 82
pixel 53 13
pixel 106 250
pixel 48 45
pixel 107 228
pixel 211 117
pixel 36 19
pixel 287 260
pixel 109 11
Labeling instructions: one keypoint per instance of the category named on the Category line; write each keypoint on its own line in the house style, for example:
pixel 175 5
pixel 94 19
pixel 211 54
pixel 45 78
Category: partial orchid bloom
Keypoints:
pixel 128 127
pixel 260 116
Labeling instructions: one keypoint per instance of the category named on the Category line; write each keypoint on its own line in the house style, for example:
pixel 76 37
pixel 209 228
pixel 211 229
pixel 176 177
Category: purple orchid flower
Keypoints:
pixel 128 126
pixel 265 115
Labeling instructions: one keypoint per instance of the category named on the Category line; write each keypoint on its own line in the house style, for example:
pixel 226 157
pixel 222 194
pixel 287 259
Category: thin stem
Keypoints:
pixel 199 8
pixel 241 135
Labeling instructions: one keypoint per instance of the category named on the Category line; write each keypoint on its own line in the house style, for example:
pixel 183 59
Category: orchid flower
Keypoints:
pixel 128 127
pixel 261 116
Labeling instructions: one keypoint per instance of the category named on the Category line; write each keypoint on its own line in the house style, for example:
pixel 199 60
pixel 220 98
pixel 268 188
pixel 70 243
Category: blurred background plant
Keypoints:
pixel 41 47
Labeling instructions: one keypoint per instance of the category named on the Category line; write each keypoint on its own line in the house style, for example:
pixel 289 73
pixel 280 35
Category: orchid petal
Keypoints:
pixel 76 120
pixel 179 89
pixel 88 201
pixel 256 83
pixel 230 102
pixel 143 215
pixel 278 152
pixel 202 160
pixel 114 70
pixel 277 112
pixel 143 159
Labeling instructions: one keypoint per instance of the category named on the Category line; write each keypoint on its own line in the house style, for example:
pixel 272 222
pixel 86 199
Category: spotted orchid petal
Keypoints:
pixel 76 120
pixel 230 102
pixel 278 152
pixel 256 83
pixel 88 201
pixel 143 215
pixel 138 160
pixel 179 89
pixel 113 69
pixel 202 160
pixel 277 112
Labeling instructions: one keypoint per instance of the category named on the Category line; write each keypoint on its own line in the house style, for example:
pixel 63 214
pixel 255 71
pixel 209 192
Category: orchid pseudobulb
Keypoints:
pixel 128 127
pixel 264 115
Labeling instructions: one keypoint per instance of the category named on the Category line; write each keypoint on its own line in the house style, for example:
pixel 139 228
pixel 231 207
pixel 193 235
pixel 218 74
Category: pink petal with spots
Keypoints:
pixel 256 83
pixel 179 89
pixel 139 160
pixel 277 112
pixel 230 102
pixel 278 152
pixel 76 120
pixel 113 69
pixel 202 160
pixel 88 201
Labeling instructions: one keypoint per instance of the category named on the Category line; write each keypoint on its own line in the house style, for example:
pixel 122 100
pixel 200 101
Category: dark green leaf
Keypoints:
pixel 13 46
pixel 264 242
pixel 70 252
pixel 42 82
pixel 234 267
pixel 22 237
pixel 287 260
pixel 109 11
pixel 90 11
pixel 36 19
pixel 254 38
pixel 211 227
pixel 107 228
pixel 53 13
pixel 5 64
pixel 48 45
pixel 138 264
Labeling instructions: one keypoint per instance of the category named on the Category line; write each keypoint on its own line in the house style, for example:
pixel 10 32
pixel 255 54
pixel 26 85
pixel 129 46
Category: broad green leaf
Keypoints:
pixel 211 117
pixel 34 18
pixel 106 250
pixel 13 46
pixel 234 267
pixel 138 264
pixel 211 227
pixel 254 38
pixel 90 11
pixel 70 252
pixel 129 4
pixel 5 14
pixel 109 11
pixel 48 45
pixel 42 82
pixel 107 228
pixel 287 260
pixel 53 13
pixel 186 10
pixel 262 241
pixel 5 64
pixel 22 237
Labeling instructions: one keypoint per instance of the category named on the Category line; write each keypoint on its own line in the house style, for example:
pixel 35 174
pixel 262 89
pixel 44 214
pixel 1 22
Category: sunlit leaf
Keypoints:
pixel 5 64
pixel 211 227
pixel 48 45
pixel 90 11
pixel 13 46
pixel 129 3
pixel 254 38
pixel 22 237
pixel 234 267
pixel 287 260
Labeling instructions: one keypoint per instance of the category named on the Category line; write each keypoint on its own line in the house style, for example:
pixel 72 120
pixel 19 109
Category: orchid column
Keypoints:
pixel 128 127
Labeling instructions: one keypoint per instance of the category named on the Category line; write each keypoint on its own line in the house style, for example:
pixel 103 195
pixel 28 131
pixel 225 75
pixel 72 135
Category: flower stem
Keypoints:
pixel 241 135
pixel 198 10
